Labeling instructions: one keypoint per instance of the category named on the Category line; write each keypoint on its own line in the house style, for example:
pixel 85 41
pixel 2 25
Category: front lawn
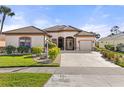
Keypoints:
pixel 22 61
pixel 23 79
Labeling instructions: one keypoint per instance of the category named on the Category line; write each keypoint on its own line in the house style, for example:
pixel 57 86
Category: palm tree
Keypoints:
pixel 5 11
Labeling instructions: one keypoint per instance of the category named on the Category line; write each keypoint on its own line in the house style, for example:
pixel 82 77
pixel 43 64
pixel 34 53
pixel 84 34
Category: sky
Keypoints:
pixel 99 19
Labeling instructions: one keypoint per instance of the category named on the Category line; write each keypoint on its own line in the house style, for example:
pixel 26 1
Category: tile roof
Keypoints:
pixel 26 30
pixel 113 37
pixel 85 33
pixel 62 28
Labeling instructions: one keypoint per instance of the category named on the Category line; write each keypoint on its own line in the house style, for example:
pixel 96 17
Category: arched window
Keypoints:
pixel 25 41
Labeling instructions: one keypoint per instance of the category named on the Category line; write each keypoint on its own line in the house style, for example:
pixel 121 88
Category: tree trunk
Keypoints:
pixel 2 23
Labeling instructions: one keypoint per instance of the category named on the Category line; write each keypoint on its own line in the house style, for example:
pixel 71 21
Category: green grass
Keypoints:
pixel 22 61
pixel 122 53
pixel 120 64
pixel 23 79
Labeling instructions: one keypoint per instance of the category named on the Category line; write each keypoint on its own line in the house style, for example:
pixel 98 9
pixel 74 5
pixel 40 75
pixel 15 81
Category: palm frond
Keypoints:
pixel 11 14
pixel 5 9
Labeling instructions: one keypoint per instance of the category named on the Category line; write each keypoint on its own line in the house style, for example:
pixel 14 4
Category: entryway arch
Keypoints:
pixel 69 43
pixel 61 43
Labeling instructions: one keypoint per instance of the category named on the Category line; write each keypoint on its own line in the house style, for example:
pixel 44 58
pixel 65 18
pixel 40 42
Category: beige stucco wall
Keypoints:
pixel 62 34
pixel 36 40
pixel 67 34
pixel 2 43
pixel 92 39
pixel 114 42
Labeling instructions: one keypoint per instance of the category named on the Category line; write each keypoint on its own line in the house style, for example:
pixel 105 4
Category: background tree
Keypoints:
pixel 5 11
pixel 96 35
pixel 115 30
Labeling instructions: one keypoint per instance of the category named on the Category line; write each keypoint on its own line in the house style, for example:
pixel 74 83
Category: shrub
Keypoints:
pixel 97 45
pixel 2 50
pixel 53 52
pixel 51 45
pixel 10 49
pixel 110 47
pixel 117 58
pixel 23 49
pixel 37 50
pixel 110 55
pixel 120 47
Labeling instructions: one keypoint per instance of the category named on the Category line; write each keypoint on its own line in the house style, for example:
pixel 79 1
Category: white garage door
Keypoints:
pixel 85 45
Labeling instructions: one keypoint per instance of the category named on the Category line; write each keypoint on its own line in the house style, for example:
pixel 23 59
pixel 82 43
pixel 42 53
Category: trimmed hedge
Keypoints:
pixel 10 49
pixel 23 49
pixel 115 57
pixel 110 47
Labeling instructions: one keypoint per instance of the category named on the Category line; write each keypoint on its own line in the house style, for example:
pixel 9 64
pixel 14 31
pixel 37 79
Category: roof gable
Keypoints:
pixel 113 37
pixel 59 28
pixel 25 30
pixel 85 33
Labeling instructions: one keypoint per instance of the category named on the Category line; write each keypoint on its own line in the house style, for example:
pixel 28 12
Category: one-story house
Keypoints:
pixel 66 37
pixel 112 40
pixel 26 36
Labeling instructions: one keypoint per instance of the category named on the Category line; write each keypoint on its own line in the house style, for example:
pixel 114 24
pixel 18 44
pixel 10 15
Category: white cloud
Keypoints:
pixel 45 7
pixel 102 29
pixel 105 15
pixel 11 27
pixel 42 23
pixel 97 16
pixel 57 20
pixel 95 13
pixel 16 21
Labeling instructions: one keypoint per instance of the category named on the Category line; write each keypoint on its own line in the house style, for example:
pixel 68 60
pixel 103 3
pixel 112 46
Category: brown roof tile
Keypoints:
pixel 62 28
pixel 85 33
pixel 25 30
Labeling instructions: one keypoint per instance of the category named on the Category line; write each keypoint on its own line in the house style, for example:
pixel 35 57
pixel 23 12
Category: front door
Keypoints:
pixel 70 44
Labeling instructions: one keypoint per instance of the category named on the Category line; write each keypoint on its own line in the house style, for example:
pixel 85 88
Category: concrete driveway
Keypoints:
pixel 92 59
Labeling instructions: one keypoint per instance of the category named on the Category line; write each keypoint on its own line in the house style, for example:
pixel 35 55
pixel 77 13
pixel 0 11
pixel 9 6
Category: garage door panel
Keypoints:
pixel 85 45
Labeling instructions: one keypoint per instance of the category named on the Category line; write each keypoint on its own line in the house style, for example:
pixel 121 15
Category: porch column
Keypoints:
pixel 74 43
pixel 64 43
pixel 57 41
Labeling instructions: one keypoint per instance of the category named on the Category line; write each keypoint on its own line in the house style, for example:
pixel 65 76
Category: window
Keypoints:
pixel 25 41
pixel 54 40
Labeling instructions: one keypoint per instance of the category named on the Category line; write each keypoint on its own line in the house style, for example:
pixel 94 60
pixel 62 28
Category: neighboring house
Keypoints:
pixel 27 36
pixel 2 41
pixel 111 40
pixel 66 37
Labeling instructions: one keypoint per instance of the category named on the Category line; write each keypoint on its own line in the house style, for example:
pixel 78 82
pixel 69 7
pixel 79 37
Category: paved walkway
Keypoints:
pixel 77 76
pixel 92 59
pixel 86 81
